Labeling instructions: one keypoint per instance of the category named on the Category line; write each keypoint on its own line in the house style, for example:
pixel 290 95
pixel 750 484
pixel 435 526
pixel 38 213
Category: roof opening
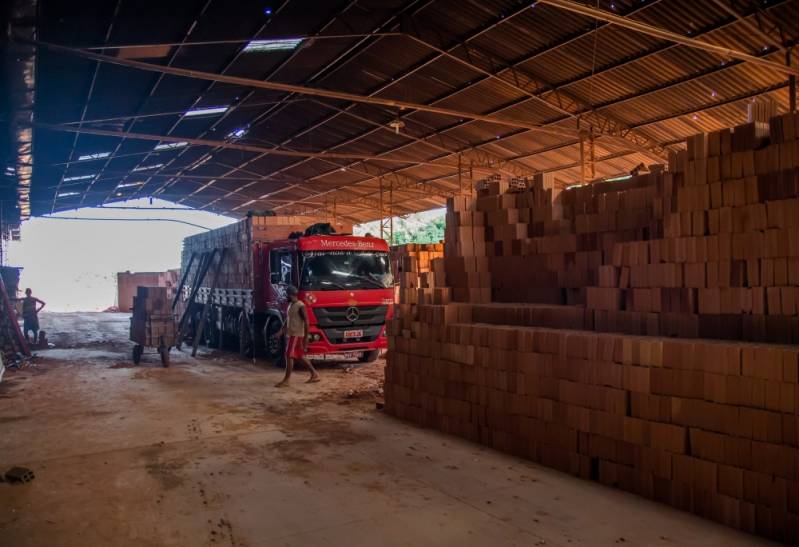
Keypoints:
pixel 146 167
pixel 80 177
pixel 286 44
pixel 207 111
pixel 95 156
pixel 67 194
pixel 170 145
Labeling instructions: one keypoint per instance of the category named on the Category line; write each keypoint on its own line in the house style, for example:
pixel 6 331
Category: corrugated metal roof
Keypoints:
pixel 547 67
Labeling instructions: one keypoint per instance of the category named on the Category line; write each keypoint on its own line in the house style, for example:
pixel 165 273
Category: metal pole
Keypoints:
pixel 391 212
pixel 382 216
pixel 791 84
pixel 582 158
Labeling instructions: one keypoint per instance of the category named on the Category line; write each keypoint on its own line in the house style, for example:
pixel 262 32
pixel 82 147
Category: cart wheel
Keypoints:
pixel 137 351
pixel 164 351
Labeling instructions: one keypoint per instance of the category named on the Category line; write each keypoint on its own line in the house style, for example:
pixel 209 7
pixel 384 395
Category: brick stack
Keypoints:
pixel 601 365
pixel 152 321
pixel 727 265
pixel 419 283
pixel 710 427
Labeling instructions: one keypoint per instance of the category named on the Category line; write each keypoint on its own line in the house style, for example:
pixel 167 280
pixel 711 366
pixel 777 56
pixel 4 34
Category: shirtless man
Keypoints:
pixel 296 331
pixel 30 315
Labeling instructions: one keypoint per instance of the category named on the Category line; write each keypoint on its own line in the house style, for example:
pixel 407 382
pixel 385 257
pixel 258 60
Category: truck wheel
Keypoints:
pixel 273 348
pixel 137 351
pixel 164 351
pixel 369 356
pixel 245 340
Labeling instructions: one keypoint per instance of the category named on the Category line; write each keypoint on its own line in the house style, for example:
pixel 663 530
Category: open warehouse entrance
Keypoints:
pixel 602 348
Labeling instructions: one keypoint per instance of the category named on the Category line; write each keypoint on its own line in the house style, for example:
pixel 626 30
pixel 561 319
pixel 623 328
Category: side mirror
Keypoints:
pixel 274 278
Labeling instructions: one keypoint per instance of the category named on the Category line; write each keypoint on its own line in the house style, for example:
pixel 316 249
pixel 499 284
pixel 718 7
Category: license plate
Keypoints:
pixel 353 333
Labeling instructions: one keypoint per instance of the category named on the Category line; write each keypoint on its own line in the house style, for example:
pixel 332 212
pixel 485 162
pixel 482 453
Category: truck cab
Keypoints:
pixel 345 283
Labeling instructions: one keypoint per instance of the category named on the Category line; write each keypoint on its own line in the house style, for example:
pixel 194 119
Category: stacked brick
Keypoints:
pixel 629 332
pixel 727 265
pixel 419 283
pixel 152 322
pixel 710 427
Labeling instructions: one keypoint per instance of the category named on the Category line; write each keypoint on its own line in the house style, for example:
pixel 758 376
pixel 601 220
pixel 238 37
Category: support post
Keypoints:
pixel 791 84
pixel 582 157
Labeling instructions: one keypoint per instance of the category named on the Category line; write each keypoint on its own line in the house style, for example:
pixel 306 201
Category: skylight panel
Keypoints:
pixel 79 177
pixel 129 184
pixel 207 111
pixel 147 167
pixel 170 145
pixel 258 46
pixel 95 156
pixel 68 194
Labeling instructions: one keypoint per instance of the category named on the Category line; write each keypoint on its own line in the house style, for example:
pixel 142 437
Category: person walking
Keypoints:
pixel 296 331
pixel 30 315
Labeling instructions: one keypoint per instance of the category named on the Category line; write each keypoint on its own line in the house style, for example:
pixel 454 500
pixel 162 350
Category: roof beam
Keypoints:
pixel 469 151
pixel 270 74
pixel 303 90
pixel 233 145
pixel 724 6
pixel 663 34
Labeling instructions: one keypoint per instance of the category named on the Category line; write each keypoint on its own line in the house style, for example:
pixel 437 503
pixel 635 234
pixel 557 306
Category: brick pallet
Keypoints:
pixel 152 319
pixel 578 335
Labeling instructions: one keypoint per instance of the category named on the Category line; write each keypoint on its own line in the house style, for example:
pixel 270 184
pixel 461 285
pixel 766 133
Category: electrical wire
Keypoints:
pixel 129 220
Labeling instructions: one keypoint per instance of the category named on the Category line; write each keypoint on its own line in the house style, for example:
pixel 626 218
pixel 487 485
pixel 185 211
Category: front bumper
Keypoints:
pixel 324 346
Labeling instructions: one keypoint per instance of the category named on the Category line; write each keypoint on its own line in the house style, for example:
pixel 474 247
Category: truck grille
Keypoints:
pixel 338 316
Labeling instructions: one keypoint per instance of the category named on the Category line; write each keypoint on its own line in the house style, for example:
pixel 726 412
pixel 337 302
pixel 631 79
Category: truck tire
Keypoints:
pixel 274 349
pixel 369 356
pixel 245 339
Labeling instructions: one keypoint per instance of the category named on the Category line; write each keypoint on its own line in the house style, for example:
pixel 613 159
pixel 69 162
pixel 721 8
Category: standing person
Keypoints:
pixel 296 331
pixel 30 315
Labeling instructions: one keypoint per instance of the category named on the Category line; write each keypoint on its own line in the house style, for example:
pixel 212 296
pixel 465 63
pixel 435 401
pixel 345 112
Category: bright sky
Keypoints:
pixel 72 264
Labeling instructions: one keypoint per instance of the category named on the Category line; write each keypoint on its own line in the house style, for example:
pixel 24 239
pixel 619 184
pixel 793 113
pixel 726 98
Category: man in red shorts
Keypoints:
pixel 296 331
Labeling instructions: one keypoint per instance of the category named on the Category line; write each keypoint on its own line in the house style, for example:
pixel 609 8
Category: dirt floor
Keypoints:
pixel 208 452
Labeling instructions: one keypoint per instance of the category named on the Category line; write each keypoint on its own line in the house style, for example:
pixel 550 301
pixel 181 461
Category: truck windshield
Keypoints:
pixel 345 270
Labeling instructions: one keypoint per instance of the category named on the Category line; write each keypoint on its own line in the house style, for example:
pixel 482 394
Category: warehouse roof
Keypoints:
pixel 422 97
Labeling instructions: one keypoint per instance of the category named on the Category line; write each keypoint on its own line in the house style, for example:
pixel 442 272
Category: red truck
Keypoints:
pixel 345 282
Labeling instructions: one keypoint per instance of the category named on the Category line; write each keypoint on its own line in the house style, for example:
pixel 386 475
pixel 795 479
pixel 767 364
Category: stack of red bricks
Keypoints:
pixel 419 283
pixel 711 427
pixel 578 335
pixel 727 265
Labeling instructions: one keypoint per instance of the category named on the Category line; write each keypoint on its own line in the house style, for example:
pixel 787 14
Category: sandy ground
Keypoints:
pixel 208 452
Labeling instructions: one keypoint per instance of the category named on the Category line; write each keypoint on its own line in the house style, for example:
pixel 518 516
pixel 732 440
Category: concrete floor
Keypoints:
pixel 208 452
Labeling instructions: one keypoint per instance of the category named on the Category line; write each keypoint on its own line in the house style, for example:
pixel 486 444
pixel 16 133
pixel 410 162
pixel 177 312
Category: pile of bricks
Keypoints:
pixel 580 329
pixel 152 322
pixel 710 427
pixel 418 280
